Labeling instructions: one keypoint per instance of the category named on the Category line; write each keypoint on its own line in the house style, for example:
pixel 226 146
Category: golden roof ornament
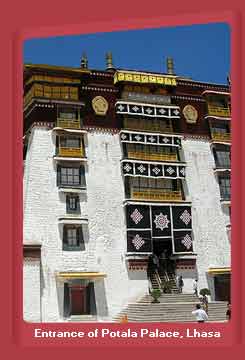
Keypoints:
pixel 109 64
pixel 170 66
pixel 84 61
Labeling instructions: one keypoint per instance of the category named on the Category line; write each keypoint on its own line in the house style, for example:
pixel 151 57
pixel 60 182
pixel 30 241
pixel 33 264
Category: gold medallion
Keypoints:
pixel 190 113
pixel 100 105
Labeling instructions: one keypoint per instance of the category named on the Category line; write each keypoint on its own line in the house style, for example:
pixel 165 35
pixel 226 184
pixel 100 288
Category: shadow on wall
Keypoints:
pixel 100 298
pixel 42 287
pixel 60 297
pixel 210 282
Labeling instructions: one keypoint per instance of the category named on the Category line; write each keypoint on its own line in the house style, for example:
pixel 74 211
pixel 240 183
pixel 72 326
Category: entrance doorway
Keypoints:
pixel 162 248
pixel 222 287
pixel 79 298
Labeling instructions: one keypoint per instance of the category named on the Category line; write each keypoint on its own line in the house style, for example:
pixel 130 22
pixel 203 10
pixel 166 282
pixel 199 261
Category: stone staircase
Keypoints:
pixel 82 318
pixel 172 308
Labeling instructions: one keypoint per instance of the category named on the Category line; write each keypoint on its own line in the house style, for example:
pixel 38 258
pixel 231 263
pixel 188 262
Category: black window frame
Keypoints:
pixel 225 190
pixel 221 160
pixel 220 127
pixel 79 238
pixel 71 184
pixel 75 207
pixel 63 139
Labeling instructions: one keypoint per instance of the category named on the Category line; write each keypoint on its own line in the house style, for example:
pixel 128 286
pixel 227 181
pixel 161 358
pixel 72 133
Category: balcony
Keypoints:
pixel 219 136
pixel 219 111
pixel 153 125
pixel 71 152
pixel 68 123
pixel 222 165
pixel 151 156
pixel 156 195
pixel 51 92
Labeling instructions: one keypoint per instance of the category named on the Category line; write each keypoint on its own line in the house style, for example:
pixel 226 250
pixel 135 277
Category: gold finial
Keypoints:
pixel 109 64
pixel 170 66
pixel 84 61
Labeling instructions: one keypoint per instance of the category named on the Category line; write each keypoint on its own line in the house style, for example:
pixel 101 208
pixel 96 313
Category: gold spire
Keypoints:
pixel 84 61
pixel 170 66
pixel 109 64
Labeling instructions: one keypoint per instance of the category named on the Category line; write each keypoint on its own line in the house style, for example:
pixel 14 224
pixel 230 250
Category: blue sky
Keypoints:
pixel 201 52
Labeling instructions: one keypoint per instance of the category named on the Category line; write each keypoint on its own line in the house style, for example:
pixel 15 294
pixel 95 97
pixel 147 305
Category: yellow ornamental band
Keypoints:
pixel 144 78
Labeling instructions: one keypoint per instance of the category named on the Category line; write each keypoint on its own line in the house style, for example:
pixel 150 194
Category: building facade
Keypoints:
pixel 120 167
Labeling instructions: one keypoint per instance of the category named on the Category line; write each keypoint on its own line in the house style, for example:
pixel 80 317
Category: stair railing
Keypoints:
pixel 159 281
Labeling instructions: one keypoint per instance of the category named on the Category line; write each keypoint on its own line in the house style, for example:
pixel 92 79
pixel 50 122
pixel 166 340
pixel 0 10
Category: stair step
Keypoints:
pixel 172 308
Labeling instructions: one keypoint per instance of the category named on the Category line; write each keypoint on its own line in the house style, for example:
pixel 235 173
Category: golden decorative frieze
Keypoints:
pixel 143 78
pixel 218 111
pixel 156 195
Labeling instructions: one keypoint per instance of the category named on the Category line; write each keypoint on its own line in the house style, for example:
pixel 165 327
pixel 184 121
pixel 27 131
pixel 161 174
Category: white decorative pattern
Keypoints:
pixel 121 107
pixel 156 170
pixel 162 111
pixel 123 136
pixel 136 216
pixel 170 170
pixel 182 171
pixel 176 112
pixel 165 140
pixel 127 167
pixel 161 221
pixel 151 139
pixel 135 108
pixel 138 137
pixel 187 241
pixel 149 110
pixel 138 241
pixel 185 217
pixel 141 168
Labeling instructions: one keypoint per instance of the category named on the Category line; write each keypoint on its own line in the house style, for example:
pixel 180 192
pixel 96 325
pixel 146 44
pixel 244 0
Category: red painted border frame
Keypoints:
pixel 27 19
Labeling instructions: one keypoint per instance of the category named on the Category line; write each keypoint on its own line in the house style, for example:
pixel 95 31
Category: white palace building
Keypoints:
pixel 122 166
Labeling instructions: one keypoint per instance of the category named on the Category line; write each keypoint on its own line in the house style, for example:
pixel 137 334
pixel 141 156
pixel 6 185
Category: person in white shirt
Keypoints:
pixel 200 314
pixel 195 287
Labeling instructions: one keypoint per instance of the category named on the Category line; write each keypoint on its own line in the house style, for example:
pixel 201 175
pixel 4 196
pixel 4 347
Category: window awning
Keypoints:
pixel 73 220
pixel 81 275
pixel 75 131
pixel 69 158
pixel 219 271
pixel 212 92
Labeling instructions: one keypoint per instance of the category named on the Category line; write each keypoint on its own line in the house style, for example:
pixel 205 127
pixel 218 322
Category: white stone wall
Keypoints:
pixel 102 204
pixel 31 290
pixel 105 245
pixel 209 217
